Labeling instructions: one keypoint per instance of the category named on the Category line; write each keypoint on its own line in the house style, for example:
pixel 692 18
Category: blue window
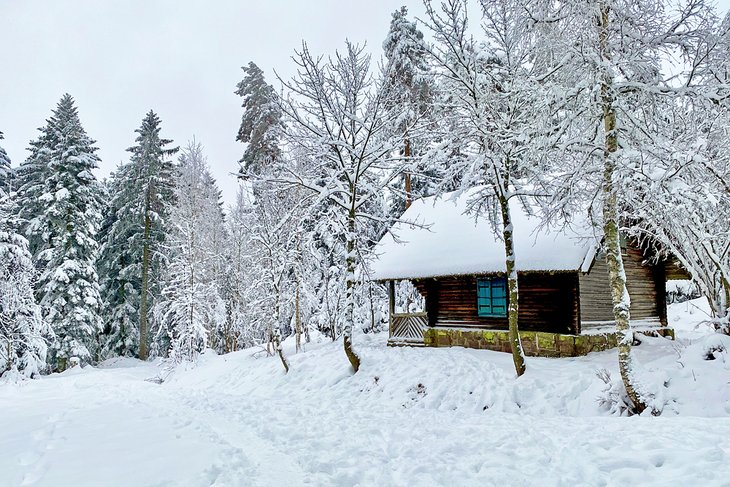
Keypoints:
pixel 492 296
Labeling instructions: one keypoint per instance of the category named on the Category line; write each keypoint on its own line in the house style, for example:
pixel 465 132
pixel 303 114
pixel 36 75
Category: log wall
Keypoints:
pixel 548 302
pixel 646 285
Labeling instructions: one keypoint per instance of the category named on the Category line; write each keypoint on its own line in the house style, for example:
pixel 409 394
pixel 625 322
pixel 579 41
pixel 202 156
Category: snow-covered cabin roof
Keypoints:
pixel 450 241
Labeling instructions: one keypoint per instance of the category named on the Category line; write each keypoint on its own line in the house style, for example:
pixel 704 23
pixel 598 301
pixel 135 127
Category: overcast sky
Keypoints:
pixel 119 58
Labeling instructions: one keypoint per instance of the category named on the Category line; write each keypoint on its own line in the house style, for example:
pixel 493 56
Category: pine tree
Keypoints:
pixel 68 289
pixel 133 232
pixel 261 122
pixel 5 171
pixel 190 306
pixel 23 333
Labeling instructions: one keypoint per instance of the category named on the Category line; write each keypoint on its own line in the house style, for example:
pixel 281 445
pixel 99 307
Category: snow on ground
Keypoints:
pixel 426 417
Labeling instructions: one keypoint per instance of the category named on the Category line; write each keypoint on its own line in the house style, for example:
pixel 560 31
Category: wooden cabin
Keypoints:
pixel 457 264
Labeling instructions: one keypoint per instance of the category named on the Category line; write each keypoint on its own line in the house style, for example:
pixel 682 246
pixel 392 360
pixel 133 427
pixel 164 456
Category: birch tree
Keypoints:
pixel 617 97
pixel 492 132
pixel 336 119
pixel 190 308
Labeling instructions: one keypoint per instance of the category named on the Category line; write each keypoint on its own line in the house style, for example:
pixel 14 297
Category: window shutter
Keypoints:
pixel 492 297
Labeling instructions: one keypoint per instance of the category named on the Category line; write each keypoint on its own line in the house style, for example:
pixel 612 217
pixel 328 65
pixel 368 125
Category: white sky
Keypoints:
pixel 119 58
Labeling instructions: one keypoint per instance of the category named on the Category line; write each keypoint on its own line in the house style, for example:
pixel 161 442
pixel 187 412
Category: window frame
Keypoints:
pixel 492 284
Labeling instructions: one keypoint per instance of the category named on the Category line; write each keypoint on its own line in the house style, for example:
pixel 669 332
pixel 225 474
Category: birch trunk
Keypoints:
pixel 518 354
pixel 407 176
pixel 614 261
pixel 350 293
pixel 298 320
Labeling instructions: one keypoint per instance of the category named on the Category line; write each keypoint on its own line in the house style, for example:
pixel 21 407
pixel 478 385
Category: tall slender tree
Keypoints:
pixel 143 192
pixel 491 110
pixel 408 87
pixel 337 121
pixel 190 306
pixel 120 263
pixel 618 101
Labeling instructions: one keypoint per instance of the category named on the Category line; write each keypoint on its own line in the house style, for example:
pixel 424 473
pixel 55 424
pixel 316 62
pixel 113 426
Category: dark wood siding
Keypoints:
pixel 548 302
pixel 646 285
pixel 674 270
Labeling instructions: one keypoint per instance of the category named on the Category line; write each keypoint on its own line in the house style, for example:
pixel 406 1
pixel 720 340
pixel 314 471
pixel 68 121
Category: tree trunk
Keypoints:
pixel 298 320
pixel 518 354
pixel 144 303
pixel 350 293
pixel 276 340
pixel 407 176
pixel 614 261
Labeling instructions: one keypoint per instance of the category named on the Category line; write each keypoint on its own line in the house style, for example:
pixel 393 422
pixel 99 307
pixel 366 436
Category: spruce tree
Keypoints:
pixel 261 122
pixel 30 186
pixel 64 231
pixel 119 266
pixel 141 192
pixel 5 171
pixel 407 87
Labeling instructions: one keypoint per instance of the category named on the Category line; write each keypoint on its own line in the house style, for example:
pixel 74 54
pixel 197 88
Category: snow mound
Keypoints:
pixel 410 416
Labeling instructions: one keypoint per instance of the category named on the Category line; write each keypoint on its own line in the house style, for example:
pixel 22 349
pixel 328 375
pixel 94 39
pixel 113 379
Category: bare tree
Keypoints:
pixel 617 96
pixel 336 119
pixel 492 132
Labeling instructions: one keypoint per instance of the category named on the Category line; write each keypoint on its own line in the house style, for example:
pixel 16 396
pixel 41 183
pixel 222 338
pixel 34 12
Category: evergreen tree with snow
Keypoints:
pixel 65 232
pixel 407 86
pixel 119 267
pixel 5 172
pixel 133 232
pixel 190 307
pixel 261 122
pixel 30 180
pixel 23 332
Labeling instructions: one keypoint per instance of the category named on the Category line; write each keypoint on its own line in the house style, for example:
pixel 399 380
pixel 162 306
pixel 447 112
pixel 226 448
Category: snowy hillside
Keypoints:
pixel 422 417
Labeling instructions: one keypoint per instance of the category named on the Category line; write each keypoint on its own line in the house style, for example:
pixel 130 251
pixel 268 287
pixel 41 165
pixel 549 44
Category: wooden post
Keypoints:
pixel 391 306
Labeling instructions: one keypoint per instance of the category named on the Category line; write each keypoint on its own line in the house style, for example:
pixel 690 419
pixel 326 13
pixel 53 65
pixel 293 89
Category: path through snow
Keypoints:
pixel 409 417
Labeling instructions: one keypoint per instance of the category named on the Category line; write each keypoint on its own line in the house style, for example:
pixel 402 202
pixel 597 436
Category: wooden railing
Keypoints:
pixel 408 328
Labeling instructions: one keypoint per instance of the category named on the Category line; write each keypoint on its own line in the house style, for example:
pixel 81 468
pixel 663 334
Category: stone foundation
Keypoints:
pixel 535 344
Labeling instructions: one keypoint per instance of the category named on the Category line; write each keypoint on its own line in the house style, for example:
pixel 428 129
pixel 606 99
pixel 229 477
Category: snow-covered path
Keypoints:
pixel 409 417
